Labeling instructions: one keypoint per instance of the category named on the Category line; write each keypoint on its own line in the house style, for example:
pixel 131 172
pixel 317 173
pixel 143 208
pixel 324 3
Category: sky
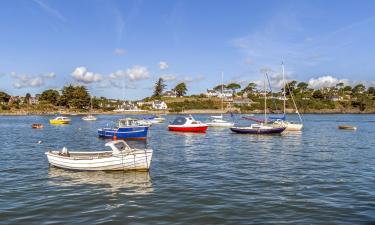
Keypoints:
pixel 118 49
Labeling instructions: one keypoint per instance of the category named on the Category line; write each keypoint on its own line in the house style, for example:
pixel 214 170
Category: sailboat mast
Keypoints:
pixel 222 93
pixel 282 64
pixel 265 101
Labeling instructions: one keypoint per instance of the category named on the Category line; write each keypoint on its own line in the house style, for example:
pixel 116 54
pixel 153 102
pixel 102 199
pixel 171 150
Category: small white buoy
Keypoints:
pixel 39 142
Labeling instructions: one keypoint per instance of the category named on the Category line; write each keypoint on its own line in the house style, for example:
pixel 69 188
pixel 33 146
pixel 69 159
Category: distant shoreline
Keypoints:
pixel 148 112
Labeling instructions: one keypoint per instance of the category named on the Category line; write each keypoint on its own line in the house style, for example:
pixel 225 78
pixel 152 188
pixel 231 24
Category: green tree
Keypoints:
pixel 4 97
pixel 75 97
pixel 26 100
pixel 371 90
pixel 340 85
pixel 318 94
pixel 51 96
pixel 359 88
pixel 159 88
pixel 302 86
pixel 347 88
pixel 180 89
pixel 219 87
pixel 250 87
pixel 233 87
pixel 290 87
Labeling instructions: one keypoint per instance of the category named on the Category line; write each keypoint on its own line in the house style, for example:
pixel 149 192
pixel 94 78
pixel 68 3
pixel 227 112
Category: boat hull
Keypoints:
pixel 294 127
pixel 124 133
pixel 139 160
pixel 59 122
pixel 197 129
pixel 248 130
pixel 223 124
pixel 347 127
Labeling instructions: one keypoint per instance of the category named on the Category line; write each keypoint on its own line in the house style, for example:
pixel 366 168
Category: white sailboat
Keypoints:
pixel 89 117
pixel 262 127
pixel 290 125
pixel 218 121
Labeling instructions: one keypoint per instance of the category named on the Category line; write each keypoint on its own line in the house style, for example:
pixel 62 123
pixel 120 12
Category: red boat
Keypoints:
pixel 187 124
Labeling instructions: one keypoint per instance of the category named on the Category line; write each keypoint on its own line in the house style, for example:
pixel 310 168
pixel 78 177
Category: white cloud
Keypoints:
pixel 81 74
pixel 189 79
pixel 163 65
pixel 325 81
pixel 169 77
pixel 119 51
pixel 133 74
pixel 50 75
pixel 25 80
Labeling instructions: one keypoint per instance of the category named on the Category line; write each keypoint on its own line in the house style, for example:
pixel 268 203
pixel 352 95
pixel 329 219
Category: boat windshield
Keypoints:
pixel 179 121
pixel 120 146
pixel 127 122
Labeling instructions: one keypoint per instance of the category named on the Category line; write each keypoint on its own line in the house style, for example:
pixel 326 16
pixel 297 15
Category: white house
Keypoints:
pixel 170 94
pixel 159 105
pixel 225 94
pixel 211 93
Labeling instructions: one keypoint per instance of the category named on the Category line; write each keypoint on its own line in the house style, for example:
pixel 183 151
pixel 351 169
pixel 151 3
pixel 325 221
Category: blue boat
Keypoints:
pixel 127 129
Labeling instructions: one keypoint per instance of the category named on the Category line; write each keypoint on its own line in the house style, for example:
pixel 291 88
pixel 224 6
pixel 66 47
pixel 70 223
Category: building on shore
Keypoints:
pixel 170 94
pixel 159 105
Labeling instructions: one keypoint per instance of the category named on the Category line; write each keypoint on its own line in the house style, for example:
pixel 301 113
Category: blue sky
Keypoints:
pixel 119 48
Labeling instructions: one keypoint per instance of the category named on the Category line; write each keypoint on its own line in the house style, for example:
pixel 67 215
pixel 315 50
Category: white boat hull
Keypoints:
pixel 294 127
pixel 289 125
pixel 220 124
pixel 93 161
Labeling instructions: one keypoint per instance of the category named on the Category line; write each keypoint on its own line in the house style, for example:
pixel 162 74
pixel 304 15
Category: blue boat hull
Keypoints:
pixel 124 133
pixel 257 131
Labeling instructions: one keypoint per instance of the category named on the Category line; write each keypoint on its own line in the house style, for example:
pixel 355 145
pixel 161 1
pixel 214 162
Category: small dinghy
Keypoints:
pixel 347 127
pixel 37 126
pixel 122 157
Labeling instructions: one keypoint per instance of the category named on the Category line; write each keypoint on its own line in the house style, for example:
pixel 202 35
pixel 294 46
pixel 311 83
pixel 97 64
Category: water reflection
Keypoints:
pixel 134 183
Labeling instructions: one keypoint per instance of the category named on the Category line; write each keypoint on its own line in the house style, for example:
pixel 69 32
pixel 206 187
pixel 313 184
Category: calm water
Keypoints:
pixel 320 176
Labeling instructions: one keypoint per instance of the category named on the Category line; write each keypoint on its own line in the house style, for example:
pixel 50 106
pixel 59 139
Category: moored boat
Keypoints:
pixel 347 127
pixel 60 120
pixel 89 118
pixel 187 124
pixel 37 126
pixel 258 129
pixel 155 119
pixel 218 121
pixel 262 127
pixel 121 157
pixel 128 128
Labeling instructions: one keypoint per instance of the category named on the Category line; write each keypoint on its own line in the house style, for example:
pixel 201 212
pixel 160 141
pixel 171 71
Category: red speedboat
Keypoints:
pixel 187 124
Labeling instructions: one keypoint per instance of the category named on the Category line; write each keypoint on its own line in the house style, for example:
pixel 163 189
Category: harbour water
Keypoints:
pixel 319 176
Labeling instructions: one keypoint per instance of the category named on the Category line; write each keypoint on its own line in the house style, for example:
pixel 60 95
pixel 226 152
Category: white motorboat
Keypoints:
pixel 144 123
pixel 122 157
pixel 89 118
pixel 155 119
pixel 290 126
pixel 217 121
